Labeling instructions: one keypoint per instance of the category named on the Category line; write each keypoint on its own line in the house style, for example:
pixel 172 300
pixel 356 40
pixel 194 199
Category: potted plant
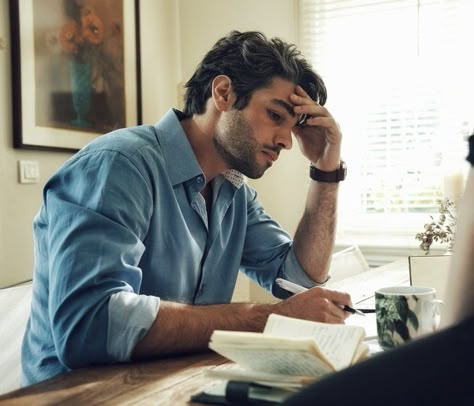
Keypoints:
pixel 433 270
pixel 442 229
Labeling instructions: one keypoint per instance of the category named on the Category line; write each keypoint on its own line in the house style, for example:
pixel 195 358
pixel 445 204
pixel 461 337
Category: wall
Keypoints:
pixel 20 202
pixel 175 34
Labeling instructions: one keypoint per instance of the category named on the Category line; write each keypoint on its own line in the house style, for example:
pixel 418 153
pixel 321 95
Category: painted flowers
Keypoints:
pixel 82 37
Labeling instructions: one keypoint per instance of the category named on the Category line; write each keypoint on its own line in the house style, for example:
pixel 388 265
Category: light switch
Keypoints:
pixel 28 171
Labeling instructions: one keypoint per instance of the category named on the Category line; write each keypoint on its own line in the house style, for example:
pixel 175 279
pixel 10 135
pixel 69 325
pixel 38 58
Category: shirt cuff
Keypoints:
pixel 130 318
pixel 294 273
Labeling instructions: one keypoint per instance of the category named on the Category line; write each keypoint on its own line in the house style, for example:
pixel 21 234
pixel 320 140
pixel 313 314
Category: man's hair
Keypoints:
pixel 251 61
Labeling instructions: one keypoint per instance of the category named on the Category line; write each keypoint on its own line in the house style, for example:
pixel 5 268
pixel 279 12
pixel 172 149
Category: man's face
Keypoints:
pixel 250 140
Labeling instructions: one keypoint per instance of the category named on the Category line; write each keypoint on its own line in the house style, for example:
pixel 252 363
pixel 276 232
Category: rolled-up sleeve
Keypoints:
pixel 292 271
pixel 98 211
pixel 130 318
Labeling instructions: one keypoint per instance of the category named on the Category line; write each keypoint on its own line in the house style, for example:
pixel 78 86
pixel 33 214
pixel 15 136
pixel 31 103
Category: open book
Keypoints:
pixel 290 351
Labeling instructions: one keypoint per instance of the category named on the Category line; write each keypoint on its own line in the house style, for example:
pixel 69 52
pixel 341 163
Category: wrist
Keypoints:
pixel 328 176
pixel 257 315
pixel 281 308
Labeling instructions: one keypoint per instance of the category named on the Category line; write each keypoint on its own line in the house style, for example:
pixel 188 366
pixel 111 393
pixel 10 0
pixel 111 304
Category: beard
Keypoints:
pixel 237 146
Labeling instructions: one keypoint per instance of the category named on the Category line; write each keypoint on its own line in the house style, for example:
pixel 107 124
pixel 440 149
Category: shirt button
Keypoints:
pixel 200 179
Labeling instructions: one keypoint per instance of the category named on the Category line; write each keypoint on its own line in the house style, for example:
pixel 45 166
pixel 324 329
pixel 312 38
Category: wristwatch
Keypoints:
pixel 328 177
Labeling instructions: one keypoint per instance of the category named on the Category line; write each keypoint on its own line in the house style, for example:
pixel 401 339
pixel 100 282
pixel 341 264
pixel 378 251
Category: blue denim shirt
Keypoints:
pixel 122 226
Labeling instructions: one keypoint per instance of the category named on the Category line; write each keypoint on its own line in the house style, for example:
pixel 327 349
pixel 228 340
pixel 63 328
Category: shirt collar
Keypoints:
pixel 176 148
pixel 234 177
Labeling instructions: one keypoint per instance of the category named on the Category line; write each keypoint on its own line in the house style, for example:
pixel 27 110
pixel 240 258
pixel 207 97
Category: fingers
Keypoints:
pixel 312 109
pixel 337 313
pixel 302 99
pixel 325 311
pixel 312 114
pixel 338 297
pixel 306 105
pixel 301 92
pixel 318 134
pixel 326 122
pixel 319 304
pixel 337 300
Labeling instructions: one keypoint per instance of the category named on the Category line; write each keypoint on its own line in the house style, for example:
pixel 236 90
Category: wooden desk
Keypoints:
pixel 169 381
pixel 172 381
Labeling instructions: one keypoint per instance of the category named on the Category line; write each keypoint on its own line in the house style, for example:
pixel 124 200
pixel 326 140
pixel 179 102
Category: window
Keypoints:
pixel 400 78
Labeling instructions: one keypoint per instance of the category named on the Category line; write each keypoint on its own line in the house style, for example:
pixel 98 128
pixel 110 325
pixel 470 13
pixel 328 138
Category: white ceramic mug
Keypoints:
pixel 404 313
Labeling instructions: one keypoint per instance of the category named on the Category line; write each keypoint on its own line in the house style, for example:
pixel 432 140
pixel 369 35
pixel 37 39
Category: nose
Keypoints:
pixel 283 139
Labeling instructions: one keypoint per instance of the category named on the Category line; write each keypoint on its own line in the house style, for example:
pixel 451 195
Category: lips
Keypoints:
pixel 273 155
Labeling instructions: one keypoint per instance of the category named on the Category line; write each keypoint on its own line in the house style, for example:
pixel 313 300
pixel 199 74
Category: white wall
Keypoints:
pixel 175 34
pixel 20 202
pixel 159 57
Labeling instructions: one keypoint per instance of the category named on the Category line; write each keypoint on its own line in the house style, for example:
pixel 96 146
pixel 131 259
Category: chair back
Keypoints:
pixel 348 262
pixel 15 305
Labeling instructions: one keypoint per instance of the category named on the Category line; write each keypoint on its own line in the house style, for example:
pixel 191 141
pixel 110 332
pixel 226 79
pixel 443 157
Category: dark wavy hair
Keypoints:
pixel 251 61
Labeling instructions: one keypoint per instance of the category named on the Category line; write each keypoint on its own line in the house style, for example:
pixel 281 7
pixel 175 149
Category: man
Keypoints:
pixel 142 233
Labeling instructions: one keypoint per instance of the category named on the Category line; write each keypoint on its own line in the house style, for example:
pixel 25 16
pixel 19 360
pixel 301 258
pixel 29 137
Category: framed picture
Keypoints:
pixel 430 270
pixel 75 71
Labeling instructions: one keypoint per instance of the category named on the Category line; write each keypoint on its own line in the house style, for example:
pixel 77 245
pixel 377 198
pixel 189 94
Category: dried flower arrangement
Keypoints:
pixel 441 230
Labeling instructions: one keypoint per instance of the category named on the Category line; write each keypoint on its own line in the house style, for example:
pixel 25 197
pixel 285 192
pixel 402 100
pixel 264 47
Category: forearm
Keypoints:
pixel 315 235
pixel 182 328
pixel 320 142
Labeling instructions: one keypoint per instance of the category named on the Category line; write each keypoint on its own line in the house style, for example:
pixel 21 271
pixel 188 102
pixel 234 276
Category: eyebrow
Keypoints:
pixel 288 107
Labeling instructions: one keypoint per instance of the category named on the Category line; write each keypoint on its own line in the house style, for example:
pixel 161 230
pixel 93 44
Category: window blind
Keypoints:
pixel 400 83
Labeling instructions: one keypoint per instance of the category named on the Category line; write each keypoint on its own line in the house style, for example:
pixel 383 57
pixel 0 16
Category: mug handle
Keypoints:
pixel 437 315
pixel 438 302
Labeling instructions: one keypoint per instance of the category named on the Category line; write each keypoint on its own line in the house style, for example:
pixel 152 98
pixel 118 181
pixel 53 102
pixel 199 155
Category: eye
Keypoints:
pixel 274 116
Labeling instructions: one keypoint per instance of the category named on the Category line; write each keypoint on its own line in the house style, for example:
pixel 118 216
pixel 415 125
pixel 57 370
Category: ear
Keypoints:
pixel 222 94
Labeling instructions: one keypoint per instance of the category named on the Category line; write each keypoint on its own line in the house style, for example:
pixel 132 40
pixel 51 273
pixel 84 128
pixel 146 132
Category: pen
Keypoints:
pixel 294 288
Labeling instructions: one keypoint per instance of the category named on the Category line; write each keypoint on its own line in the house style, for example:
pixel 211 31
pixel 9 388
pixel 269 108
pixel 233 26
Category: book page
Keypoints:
pixel 236 373
pixel 338 342
pixel 287 361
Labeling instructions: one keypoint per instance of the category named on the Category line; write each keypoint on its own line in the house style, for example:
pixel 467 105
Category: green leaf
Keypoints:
pixel 402 308
pixel 402 329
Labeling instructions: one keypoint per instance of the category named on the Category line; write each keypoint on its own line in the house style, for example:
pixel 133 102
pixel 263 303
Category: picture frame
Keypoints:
pixel 75 71
pixel 430 270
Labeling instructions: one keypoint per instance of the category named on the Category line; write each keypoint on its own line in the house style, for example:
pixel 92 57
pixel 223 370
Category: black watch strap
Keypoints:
pixel 329 177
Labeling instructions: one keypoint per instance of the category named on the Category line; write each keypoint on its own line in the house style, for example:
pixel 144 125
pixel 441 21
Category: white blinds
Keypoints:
pixel 400 78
